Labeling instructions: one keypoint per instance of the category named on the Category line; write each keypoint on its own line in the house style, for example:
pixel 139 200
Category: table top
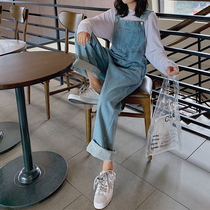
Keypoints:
pixel 28 68
pixel 8 46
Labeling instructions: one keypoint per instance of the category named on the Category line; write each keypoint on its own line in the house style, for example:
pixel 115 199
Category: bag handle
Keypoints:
pixel 175 80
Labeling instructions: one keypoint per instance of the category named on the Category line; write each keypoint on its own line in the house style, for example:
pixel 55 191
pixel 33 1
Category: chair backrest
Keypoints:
pixel 70 21
pixel 20 14
pixel 0 19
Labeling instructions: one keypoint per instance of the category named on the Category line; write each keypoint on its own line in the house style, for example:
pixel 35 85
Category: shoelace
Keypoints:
pixel 103 180
pixel 83 89
pixel 86 88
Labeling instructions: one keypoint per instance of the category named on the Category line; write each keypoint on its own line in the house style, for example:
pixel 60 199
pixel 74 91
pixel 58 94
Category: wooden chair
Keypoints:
pixel 141 96
pixel 0 19
pixel 70 21
pixel 20 15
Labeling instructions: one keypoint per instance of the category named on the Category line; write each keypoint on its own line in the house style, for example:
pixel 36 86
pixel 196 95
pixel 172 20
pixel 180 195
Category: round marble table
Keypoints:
pixel 32 177
pixel 8 46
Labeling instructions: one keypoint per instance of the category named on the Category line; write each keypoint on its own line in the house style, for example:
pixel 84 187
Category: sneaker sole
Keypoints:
pixel 77 100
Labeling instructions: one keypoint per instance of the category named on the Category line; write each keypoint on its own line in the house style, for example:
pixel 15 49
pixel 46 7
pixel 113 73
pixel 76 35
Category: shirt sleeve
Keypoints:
pixel 102 25
pixel 155 52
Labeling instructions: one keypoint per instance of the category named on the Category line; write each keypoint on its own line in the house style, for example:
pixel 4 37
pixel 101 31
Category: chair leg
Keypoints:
pixel 67 81
pixel 88 109
pixel 47 98
pixel 147 117
pixel 147 114
pixel 29 94
pixel 85 81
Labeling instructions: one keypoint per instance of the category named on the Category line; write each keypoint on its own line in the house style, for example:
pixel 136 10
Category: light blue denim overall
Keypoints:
pixel 122 68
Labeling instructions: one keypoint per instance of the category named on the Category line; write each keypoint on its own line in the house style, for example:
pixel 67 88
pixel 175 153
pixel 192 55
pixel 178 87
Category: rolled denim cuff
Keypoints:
pixel 97 151
pixel 82 66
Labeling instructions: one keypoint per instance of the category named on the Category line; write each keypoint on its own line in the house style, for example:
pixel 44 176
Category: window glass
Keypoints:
pixel 182 7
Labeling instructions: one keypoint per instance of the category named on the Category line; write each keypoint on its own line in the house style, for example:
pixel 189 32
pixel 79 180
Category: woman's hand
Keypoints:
pixel 82 37
pixel 172 70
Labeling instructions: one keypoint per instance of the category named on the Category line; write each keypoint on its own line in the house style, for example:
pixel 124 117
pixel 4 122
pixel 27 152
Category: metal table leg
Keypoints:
pixel 23 183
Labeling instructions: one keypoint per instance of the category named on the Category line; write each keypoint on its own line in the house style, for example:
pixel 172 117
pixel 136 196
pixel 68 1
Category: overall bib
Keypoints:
pixel 122 68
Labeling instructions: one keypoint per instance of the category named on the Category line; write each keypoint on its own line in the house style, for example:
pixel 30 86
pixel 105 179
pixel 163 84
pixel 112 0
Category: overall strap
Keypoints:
pixel 117 17
pixel 145 14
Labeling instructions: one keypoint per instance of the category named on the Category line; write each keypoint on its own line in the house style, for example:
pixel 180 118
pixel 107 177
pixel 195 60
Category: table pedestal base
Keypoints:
pixel 9 136
pixel 13 194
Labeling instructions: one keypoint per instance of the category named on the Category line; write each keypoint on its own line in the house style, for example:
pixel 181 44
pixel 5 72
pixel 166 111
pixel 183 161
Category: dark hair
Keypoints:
pixel 122 9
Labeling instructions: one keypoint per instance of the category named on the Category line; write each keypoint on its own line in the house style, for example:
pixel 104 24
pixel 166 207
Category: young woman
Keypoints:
pixel 115 73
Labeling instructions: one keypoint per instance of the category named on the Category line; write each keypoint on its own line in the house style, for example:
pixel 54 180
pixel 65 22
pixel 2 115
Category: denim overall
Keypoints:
pixel 122 68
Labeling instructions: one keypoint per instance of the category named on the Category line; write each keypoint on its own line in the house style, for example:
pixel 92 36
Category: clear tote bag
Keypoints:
pixel 165 129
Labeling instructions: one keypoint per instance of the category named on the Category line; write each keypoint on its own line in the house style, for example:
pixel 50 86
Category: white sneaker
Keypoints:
pixel 86 95
pixel 104 191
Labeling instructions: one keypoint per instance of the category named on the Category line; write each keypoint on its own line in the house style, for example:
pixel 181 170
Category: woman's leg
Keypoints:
pixel 94 82
pixel 93 58
pixel 119 83
pixel 92 62
pixel 108 165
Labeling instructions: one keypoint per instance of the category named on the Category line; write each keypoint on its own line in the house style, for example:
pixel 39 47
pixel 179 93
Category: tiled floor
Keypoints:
pixel 171 181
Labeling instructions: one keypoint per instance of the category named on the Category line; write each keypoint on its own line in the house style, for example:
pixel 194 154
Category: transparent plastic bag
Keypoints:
pixel 165 129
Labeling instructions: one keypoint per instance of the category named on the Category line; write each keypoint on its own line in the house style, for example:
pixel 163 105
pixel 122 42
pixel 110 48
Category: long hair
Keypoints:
pixel 122 9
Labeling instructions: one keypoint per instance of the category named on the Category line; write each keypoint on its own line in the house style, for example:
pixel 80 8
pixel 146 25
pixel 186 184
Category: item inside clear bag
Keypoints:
pixel 165 131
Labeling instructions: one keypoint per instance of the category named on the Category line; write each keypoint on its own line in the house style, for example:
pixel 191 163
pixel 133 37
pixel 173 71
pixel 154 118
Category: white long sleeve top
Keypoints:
pixel 103 26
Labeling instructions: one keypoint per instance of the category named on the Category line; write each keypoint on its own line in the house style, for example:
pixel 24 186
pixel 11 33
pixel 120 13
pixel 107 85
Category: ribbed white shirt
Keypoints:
pixel 103 26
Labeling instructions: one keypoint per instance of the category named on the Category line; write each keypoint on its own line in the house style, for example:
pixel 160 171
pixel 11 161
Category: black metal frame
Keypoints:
pixel 186 89
pixel 55 16
pixel 191 90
